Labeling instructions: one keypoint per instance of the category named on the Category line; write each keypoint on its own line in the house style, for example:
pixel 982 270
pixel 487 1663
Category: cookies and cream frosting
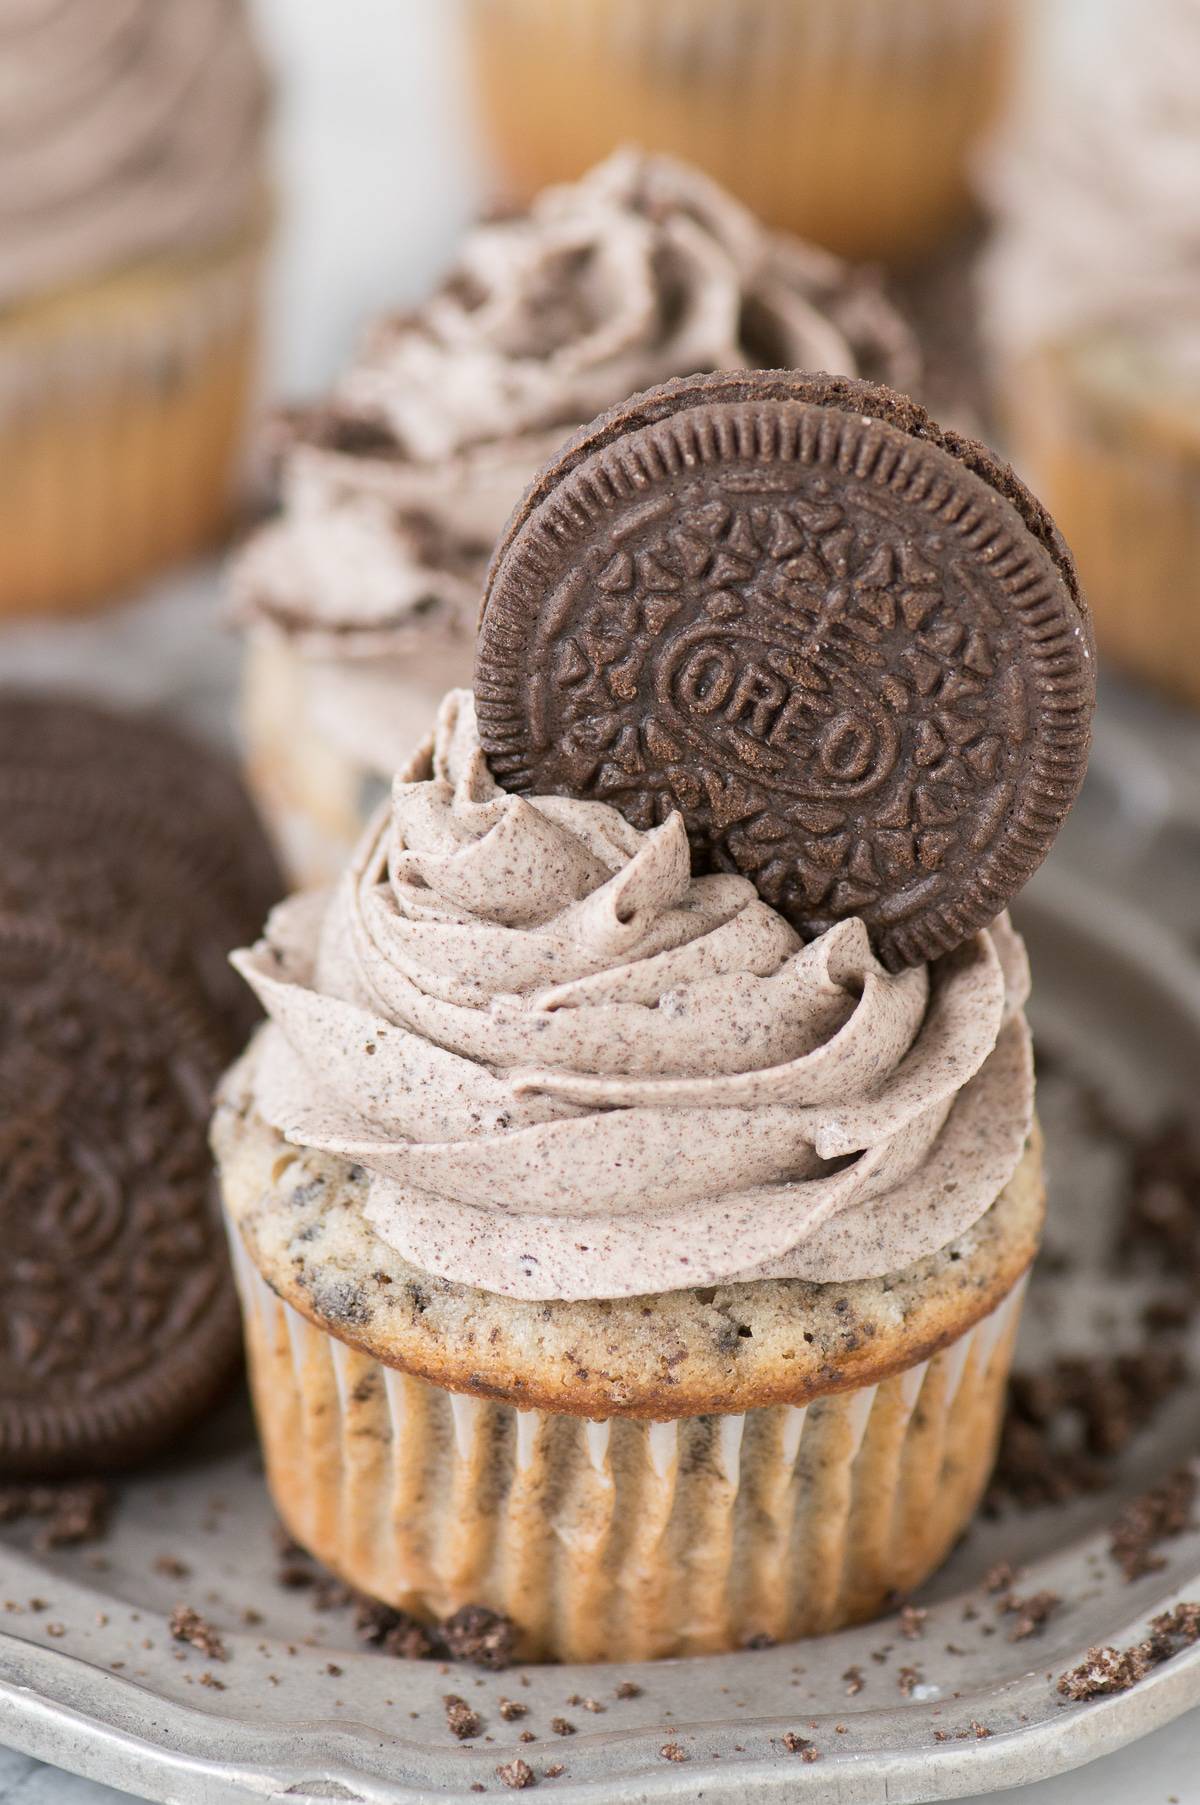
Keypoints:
pixel 127 128
pixel 572 1069
pixel 1094 189
pixel 396 489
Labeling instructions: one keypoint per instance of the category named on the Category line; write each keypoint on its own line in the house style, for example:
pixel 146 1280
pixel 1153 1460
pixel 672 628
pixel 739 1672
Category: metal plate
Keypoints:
pixel 92 1681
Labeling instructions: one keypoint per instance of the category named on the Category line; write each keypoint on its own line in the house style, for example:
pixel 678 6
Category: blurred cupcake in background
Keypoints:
pixel 132 224
pixel 360 599
pixel 847 121
pixel 1092 310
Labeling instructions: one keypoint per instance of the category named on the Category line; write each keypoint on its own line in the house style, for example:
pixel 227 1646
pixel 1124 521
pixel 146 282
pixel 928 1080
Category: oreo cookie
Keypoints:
pixel 117 826
pixel 848 647
pixel 140 762
pixel 118 1322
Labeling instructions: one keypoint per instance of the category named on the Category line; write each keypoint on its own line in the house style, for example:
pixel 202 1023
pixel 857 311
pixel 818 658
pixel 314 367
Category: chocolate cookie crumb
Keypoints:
pixel 799 1745
pixel 395 1632
pixel 461 1721
pixel 561 1727
pixel 999 1578
pixel 908 1679
pixel 486 1638
pixel 671 1751
pixel 853 1677
pixel 171 1567
pixel 1108 1669
pixel 516 1773
pixel 912 1621
pixel 1163 1511
pixel 629 1689
pixel 1031 1613
pixel 1105 1669
pixel 187 1625
pixel 510 1709
pixel 73 1513
pixel 554 1770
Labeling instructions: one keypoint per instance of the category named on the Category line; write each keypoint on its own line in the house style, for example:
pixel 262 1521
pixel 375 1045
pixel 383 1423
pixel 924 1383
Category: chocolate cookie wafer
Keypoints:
pixel 198 801
pixel 96 861
pixel 118 1323
pixel 848 647
pixel 119 827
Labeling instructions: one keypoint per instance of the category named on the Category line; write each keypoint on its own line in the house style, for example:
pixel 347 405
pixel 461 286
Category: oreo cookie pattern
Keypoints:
pixel 118 1322
pixel 847 648
pixel 142 765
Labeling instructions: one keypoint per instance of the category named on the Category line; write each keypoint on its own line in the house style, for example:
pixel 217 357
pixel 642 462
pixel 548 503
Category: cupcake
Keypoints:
pixel 132 224
pixel 633 1186
pixel 359 600
pixel 1092 300
pixel 847 121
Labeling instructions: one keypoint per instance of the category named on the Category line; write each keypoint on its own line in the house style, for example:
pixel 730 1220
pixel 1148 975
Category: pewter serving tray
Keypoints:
pixel 92 1681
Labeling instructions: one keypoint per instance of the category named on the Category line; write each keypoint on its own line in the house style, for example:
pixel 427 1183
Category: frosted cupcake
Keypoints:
pixel 132 223
pixel 848 121
pixel 360 599
pixel 627 1245
pixel 1092 294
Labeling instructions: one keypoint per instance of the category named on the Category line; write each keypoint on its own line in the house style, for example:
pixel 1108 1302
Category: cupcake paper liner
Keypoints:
pixel 121 410
pixel 848 121
pixel 1128 503
pixel 626 1539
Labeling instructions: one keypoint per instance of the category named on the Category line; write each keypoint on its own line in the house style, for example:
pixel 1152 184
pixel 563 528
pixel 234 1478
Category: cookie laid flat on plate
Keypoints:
pixel 118 1323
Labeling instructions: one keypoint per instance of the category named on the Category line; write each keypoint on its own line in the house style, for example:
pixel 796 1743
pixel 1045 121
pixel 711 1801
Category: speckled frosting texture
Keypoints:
pixel 127 128
pixel 396 488
pixel 573 1070
pixel 1095 191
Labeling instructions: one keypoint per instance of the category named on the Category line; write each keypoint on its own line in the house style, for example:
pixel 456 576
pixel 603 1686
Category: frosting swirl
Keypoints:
pixel 127 127
pixel 572 1069
pixel 1094 189
pixel 396 489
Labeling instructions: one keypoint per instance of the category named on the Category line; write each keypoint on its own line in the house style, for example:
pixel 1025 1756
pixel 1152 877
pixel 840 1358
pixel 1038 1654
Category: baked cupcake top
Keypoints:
pixel 128 128
pixel 396 487
pixel 572 1069
pixel 1094 190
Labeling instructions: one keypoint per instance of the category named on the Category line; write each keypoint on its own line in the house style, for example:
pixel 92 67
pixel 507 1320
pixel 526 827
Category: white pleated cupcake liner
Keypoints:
pixel 623 1539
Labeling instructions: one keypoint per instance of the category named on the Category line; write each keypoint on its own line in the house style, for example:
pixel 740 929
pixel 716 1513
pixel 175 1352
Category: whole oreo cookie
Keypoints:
pixel 847 646
pixel 96 860
pixel 118 1322
pixel 143 765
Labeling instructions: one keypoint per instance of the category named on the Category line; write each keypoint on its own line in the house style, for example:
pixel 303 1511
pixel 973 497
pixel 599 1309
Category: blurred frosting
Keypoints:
pixel 127 128
pixel 573 1070
pixel 397 487
pixel 1095 189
